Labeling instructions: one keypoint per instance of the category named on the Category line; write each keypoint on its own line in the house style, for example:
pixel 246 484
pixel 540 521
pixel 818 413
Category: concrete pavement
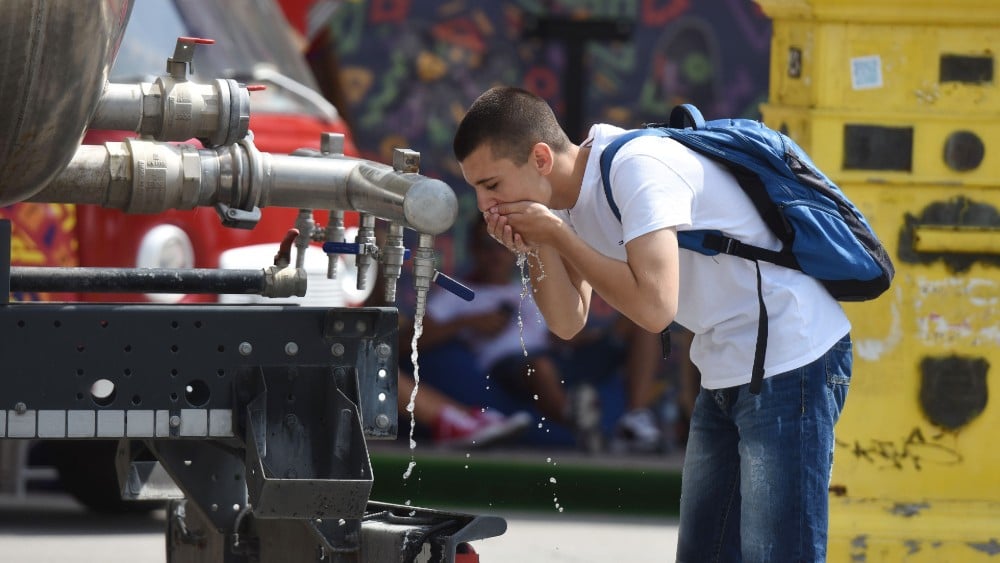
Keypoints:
pixel 48 528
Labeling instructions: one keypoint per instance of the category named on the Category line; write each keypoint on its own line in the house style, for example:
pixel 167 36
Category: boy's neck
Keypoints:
pixel 567 176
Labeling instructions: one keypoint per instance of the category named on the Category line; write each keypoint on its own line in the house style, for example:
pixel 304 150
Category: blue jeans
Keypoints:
pixel 757 467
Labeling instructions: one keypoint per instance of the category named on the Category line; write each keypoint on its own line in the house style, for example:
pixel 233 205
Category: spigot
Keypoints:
pixel 393 254
pixel 306 226
pixel 423 271
pixel 424 274
pixel 404 161
pixel 368 249
pixel 332 144
pixel 334 233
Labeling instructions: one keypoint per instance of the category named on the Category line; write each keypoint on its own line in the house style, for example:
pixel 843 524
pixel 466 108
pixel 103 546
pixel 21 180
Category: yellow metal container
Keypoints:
pixel 898 102
pixel 930 67
pixel 918 148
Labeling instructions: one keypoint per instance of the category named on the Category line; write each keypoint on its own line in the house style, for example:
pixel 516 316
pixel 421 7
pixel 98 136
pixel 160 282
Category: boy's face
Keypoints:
pixel 499 181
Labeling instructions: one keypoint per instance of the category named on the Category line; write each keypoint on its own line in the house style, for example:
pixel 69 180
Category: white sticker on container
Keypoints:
pixel 866 72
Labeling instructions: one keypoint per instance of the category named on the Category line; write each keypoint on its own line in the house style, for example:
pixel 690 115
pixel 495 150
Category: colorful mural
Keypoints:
pixel 411 67
pixel 42 235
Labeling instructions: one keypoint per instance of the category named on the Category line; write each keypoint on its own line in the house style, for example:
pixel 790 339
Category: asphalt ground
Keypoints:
pixel 559 505
pixel 52 527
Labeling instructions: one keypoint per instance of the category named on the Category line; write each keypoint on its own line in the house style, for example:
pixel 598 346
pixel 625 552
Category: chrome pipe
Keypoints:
pixel 150 177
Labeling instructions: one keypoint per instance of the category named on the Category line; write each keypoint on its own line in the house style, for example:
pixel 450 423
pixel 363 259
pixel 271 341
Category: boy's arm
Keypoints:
pixel 644 288
pixel 559 291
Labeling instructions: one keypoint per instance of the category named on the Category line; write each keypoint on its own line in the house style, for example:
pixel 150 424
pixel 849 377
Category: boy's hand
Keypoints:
pixel 521 225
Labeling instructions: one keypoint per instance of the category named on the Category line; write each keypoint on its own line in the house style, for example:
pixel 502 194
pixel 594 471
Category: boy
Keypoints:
pixel 757 467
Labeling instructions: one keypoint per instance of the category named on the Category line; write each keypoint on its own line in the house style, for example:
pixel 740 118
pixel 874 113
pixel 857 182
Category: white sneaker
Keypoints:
pixel 637 431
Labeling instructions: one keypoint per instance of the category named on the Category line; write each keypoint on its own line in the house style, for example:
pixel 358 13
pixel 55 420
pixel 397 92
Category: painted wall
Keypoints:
pixel 412 67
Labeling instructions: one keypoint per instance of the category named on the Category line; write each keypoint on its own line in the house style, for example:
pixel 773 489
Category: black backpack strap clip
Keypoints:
pixel 719 242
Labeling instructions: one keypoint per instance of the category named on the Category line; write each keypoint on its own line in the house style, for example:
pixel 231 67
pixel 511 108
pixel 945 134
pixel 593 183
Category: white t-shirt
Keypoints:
pixel 659 183
pixel 526 321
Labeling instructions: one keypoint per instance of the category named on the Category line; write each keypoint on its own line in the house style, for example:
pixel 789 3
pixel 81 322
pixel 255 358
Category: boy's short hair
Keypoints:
pixel 511 121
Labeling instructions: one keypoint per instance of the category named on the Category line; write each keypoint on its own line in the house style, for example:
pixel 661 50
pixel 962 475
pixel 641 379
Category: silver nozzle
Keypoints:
pixel 306 226
pixel 334 233
pixel 367 248
pixel 423 271
pixel 393 253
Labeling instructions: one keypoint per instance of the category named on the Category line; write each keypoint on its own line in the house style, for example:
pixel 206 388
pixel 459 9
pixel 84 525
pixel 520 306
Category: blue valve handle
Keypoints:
pixel 351 248
pixel 341 248
pixel 440 279
pixel 453 286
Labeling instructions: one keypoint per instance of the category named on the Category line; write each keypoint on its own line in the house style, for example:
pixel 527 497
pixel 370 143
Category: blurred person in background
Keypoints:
pixel 504 332
pixel 452 424
pixel 612 345
pixel 512 347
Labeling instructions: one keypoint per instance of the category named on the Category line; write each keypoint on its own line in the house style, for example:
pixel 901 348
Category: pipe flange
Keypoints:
pixel 256 164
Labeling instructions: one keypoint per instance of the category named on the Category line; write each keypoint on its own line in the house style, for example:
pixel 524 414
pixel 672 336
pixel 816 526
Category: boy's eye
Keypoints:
pixel 491 187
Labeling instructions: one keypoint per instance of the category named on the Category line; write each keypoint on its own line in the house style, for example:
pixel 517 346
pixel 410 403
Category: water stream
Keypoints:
pixel 418 326
pixel 526 290
pixel 418 329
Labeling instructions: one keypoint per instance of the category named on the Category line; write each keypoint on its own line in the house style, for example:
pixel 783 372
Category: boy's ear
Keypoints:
pixel 543 158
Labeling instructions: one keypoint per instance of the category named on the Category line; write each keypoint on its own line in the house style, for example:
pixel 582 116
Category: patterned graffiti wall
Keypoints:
pixel 411 67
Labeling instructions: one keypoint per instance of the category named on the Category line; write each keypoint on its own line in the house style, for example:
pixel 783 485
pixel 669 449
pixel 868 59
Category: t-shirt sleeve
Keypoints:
pixel 653 181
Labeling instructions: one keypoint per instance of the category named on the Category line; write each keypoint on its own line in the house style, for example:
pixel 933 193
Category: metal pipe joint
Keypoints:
pixel 172 108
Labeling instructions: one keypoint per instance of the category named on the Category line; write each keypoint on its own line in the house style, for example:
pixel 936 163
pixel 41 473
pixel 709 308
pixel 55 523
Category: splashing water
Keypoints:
pixel 526 290
pixel 409 469
pixel 522 264
pixel 552 480
pixel 418 329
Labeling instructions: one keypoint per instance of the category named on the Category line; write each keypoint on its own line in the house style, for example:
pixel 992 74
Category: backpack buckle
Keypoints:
pixel 715 240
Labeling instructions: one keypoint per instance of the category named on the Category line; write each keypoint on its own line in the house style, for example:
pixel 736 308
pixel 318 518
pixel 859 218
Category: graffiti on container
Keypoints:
pixel 915 451
pixel 956 310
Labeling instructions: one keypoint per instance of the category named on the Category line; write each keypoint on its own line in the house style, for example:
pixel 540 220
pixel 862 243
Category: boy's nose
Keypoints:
pixel 484 201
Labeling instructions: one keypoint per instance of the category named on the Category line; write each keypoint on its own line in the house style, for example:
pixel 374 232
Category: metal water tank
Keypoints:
pixel 55 56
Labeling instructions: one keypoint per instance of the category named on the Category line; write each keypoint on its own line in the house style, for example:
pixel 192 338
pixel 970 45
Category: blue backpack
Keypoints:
pixel 822 233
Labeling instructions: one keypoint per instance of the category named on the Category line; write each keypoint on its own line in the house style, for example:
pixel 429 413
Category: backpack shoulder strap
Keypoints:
pixel 686 116
pixel 608 155
pixel 681 117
